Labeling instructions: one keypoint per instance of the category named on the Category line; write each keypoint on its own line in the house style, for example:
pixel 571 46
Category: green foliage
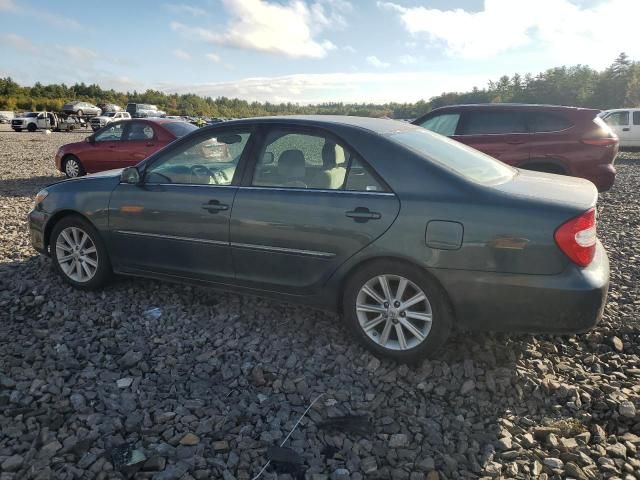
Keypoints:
pixel 579 85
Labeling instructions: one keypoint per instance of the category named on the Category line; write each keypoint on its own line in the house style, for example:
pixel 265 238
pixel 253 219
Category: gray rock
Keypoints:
pixel 130 359
pixel 12 463
pixel 627 409
pixel 553 463
pixel 398 440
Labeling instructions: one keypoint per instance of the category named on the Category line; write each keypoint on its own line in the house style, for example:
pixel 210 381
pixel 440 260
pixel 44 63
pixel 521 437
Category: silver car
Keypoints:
pixel 81 108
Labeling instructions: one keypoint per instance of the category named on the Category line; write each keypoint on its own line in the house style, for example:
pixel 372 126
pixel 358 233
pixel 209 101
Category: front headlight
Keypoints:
pixel 40 196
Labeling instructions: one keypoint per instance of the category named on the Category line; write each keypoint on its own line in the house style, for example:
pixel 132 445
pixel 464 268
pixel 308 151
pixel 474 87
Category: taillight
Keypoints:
pixel 577 238
pixel 602 136
pixel 601 142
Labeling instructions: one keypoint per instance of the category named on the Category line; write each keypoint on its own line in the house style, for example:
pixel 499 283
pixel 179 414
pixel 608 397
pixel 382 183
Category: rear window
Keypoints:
pixel 444 124
pixel 636 118
pixel 465 161
pixel 180 129
pixel 541 122
pixel 492 122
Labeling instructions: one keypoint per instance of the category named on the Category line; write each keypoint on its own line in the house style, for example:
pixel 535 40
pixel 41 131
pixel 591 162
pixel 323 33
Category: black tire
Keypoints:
pixel 103 272
pixel 68 170
pixel 440 310
pixel 31 127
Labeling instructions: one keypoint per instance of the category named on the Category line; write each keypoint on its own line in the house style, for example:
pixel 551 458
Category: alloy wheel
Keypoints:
pixel 76 254
pixel 394 312
pixel 72 168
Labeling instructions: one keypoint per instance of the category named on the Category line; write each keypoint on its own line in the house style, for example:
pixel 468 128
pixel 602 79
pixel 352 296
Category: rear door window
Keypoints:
pixel 492 123
pixel 617 118
pixel 140 131
pixel 636 118
pixel 444 124
pixel 541 122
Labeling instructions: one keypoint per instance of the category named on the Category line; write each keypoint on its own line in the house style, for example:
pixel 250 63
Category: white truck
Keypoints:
pixel 100 121
pixel 625 122
pixel 33 121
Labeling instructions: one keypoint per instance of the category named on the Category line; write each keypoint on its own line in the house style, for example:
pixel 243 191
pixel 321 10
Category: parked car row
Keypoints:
pixel 404 232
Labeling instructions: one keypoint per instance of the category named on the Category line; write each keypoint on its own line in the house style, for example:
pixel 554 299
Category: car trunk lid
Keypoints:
pixel 572 193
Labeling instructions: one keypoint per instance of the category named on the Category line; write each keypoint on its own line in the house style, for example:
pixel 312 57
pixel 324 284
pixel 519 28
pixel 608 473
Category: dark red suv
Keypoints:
pixel 564 140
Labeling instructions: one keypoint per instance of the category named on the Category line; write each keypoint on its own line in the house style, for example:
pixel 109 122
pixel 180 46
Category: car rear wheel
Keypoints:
pixel 78 253
pixel 397 311
pixel 31 127
pixel 72 167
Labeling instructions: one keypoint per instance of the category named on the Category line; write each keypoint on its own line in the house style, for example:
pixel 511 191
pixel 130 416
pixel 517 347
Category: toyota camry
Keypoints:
pixel 402 231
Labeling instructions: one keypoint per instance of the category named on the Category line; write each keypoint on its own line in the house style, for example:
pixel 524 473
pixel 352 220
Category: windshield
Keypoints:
pixel 109 114
pixel 465 161
pixel 30 114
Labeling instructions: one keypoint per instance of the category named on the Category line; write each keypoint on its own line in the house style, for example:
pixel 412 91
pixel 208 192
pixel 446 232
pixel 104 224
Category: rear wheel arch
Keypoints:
pixel 400 260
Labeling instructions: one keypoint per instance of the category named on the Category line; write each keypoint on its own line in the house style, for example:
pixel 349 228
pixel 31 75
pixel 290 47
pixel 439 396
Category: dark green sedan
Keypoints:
pixel 404 232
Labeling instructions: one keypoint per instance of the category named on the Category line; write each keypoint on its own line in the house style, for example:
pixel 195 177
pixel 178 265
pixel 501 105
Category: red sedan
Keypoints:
pixel 119 145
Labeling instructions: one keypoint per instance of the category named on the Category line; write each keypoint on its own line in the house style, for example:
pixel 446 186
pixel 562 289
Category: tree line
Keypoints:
pixel 616 86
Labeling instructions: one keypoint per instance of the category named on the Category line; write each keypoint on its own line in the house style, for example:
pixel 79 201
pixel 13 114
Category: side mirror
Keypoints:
pixel 267 158
pixel 90 139
pixel 130 175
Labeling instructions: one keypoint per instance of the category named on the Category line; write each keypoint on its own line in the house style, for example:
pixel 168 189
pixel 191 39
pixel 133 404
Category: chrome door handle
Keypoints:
pixel 362 214
pixel 214 206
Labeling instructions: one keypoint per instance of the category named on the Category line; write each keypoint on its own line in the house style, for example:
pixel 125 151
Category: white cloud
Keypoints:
pixel 213 57
pixel 183 8
pixel 181 54
pixel 7 5
pixel 408 60
pixel 18 42
pixel 291 28
pixel 335 87
pixel 376 62
pixel 52 19
pixel 78 53
pixel 565 30
pixel 349 48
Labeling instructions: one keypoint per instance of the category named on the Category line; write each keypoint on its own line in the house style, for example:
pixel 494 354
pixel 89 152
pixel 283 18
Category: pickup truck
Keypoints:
pixel 33 121
pixel 98 122
pixel 144 110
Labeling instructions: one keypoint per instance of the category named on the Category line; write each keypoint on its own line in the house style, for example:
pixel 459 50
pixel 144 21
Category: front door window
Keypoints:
pixel 211 160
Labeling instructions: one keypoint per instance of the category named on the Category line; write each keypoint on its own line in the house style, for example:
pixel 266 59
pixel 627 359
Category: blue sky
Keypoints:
pixel 307 50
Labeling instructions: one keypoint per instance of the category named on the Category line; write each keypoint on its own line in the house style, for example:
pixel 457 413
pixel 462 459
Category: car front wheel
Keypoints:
pixel 79 255
pixel 397 311
pixel 73 167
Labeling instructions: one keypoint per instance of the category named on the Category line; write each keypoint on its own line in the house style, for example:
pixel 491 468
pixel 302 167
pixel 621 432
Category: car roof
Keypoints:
pixel 511 106
pixel 621 110
pixel 158 120
pixel 376 125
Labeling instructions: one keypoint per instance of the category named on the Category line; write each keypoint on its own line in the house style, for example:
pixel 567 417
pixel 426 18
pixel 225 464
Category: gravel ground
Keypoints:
pixel 94 385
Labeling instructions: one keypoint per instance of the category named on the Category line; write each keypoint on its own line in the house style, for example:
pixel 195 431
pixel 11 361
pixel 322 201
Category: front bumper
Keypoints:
pixel 570 302
pixel 37 220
